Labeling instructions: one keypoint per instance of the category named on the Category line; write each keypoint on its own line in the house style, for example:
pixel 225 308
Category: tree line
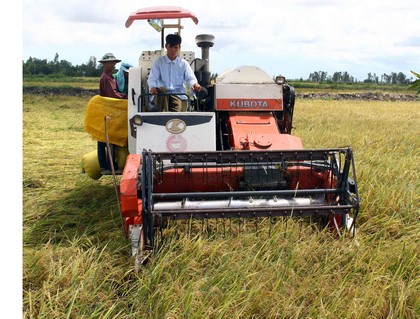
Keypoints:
pixel 345 77
pixel 34 66
pixel 57 67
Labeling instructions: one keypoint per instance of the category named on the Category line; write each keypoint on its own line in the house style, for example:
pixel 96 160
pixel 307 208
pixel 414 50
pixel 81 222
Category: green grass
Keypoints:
pixel 76 260
pixel 54 81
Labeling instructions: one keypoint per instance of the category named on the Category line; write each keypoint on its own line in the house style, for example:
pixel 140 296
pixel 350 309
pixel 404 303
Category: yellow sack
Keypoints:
pixel 90 163
pixel 121 154
pixel 116 109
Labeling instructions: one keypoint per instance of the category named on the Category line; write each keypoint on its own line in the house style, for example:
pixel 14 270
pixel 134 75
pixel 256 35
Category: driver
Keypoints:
pixel 168 75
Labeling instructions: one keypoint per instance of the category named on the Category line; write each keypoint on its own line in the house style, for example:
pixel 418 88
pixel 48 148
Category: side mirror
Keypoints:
pixel 280 80
pixel 156 24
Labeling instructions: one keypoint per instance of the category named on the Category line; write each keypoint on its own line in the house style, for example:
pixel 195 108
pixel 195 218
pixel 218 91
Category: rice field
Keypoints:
pixel 76 260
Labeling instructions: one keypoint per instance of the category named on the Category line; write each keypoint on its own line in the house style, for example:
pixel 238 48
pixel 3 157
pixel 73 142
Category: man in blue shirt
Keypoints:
pixel 168 75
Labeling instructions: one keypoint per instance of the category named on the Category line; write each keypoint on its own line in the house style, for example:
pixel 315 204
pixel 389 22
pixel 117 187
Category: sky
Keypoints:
pixel 291 38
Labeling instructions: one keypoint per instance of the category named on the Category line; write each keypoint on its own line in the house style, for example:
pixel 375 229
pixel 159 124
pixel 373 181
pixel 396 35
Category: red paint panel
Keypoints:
pixel 128 187
pixel 198 180
pixel 160 12
pixel 304 177
pixel 259 131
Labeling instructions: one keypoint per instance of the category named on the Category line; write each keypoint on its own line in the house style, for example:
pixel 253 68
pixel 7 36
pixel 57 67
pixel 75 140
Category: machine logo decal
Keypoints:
pixel 248 104
pixel 176 126
pixel 176 143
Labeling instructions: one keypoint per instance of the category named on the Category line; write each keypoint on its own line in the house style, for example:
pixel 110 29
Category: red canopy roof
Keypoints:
pixel 160 12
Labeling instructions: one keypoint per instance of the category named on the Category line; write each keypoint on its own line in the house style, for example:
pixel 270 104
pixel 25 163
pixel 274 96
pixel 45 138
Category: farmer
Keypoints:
pixel 168 75
pixel 122 78
pixel 107 82
pixel 108 88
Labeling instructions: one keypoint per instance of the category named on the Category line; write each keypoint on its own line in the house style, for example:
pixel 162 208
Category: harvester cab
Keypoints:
pixel 146 124
pixel 231 155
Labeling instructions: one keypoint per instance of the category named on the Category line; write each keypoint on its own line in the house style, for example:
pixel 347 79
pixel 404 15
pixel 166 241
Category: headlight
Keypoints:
pixel 137 120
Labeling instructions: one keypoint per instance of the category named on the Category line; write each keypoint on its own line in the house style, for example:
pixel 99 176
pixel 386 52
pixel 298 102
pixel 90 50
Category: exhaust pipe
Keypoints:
pixel 202 72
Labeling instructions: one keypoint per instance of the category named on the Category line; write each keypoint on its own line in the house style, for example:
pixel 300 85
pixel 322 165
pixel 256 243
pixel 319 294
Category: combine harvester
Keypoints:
pixel 230 156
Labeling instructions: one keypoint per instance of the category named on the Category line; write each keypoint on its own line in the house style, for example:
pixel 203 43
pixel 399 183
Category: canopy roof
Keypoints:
pixel 160 12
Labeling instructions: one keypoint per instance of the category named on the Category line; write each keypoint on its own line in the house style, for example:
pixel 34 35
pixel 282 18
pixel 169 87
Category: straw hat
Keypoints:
pixel 109 57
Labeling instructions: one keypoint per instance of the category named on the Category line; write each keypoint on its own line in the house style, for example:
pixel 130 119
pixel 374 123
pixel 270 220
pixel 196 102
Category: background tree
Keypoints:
pixel 416 84
pixel 57 67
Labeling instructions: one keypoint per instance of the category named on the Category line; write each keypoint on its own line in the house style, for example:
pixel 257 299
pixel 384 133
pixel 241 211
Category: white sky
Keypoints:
pixel 292 38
